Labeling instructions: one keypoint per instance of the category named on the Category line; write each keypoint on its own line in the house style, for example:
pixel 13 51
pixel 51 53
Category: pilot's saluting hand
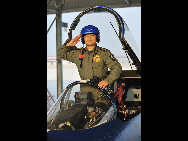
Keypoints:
pixel 74 41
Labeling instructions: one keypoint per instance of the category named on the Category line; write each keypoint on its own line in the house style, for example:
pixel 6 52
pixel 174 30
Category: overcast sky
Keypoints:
pixel 109 39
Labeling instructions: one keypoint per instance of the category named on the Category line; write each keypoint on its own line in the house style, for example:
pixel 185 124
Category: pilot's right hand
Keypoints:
pixel 74 41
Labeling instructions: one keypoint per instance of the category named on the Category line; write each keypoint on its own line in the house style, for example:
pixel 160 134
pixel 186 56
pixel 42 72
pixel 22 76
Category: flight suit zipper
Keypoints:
pixel 92 65
pixel 88 61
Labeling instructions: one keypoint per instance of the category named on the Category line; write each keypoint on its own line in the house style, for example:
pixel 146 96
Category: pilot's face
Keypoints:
pixel 90 39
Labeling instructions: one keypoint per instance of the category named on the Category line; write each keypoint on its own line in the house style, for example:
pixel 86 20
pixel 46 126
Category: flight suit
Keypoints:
pixel 90 64
pixel 94 63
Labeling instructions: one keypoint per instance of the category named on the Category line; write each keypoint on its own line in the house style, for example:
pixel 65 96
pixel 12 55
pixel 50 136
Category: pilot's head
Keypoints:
pixel 90 35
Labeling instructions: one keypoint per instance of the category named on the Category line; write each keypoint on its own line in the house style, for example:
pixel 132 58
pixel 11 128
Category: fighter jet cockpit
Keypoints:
pixel 81 105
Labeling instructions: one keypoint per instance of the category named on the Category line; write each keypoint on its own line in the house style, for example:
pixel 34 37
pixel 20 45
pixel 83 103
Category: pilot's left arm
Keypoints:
pixel 115 67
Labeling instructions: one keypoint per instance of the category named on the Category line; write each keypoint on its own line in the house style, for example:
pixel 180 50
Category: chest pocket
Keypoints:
pixel 98 64
pixel 78 64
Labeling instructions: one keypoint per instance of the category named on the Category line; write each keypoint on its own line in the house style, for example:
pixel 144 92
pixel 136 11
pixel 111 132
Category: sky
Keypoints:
pixel 108 37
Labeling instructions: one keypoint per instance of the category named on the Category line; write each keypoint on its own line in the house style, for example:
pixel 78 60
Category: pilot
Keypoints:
pixel 91 61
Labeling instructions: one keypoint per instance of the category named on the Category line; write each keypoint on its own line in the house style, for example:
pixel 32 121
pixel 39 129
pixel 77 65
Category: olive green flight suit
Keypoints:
pixel 96 63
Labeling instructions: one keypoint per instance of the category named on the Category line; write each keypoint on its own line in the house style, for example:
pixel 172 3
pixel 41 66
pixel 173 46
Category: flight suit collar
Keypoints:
pixel 94 49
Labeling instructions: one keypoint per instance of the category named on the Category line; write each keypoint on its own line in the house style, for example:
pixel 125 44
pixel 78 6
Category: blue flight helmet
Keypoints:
pixel 90 29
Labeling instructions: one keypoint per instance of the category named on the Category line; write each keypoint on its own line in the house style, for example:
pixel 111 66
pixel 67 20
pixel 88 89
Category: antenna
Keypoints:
pixel 114 29
pixel 125 51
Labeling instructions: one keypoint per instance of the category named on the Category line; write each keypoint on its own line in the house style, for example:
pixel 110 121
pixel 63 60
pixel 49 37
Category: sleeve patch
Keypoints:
pixel 112 57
